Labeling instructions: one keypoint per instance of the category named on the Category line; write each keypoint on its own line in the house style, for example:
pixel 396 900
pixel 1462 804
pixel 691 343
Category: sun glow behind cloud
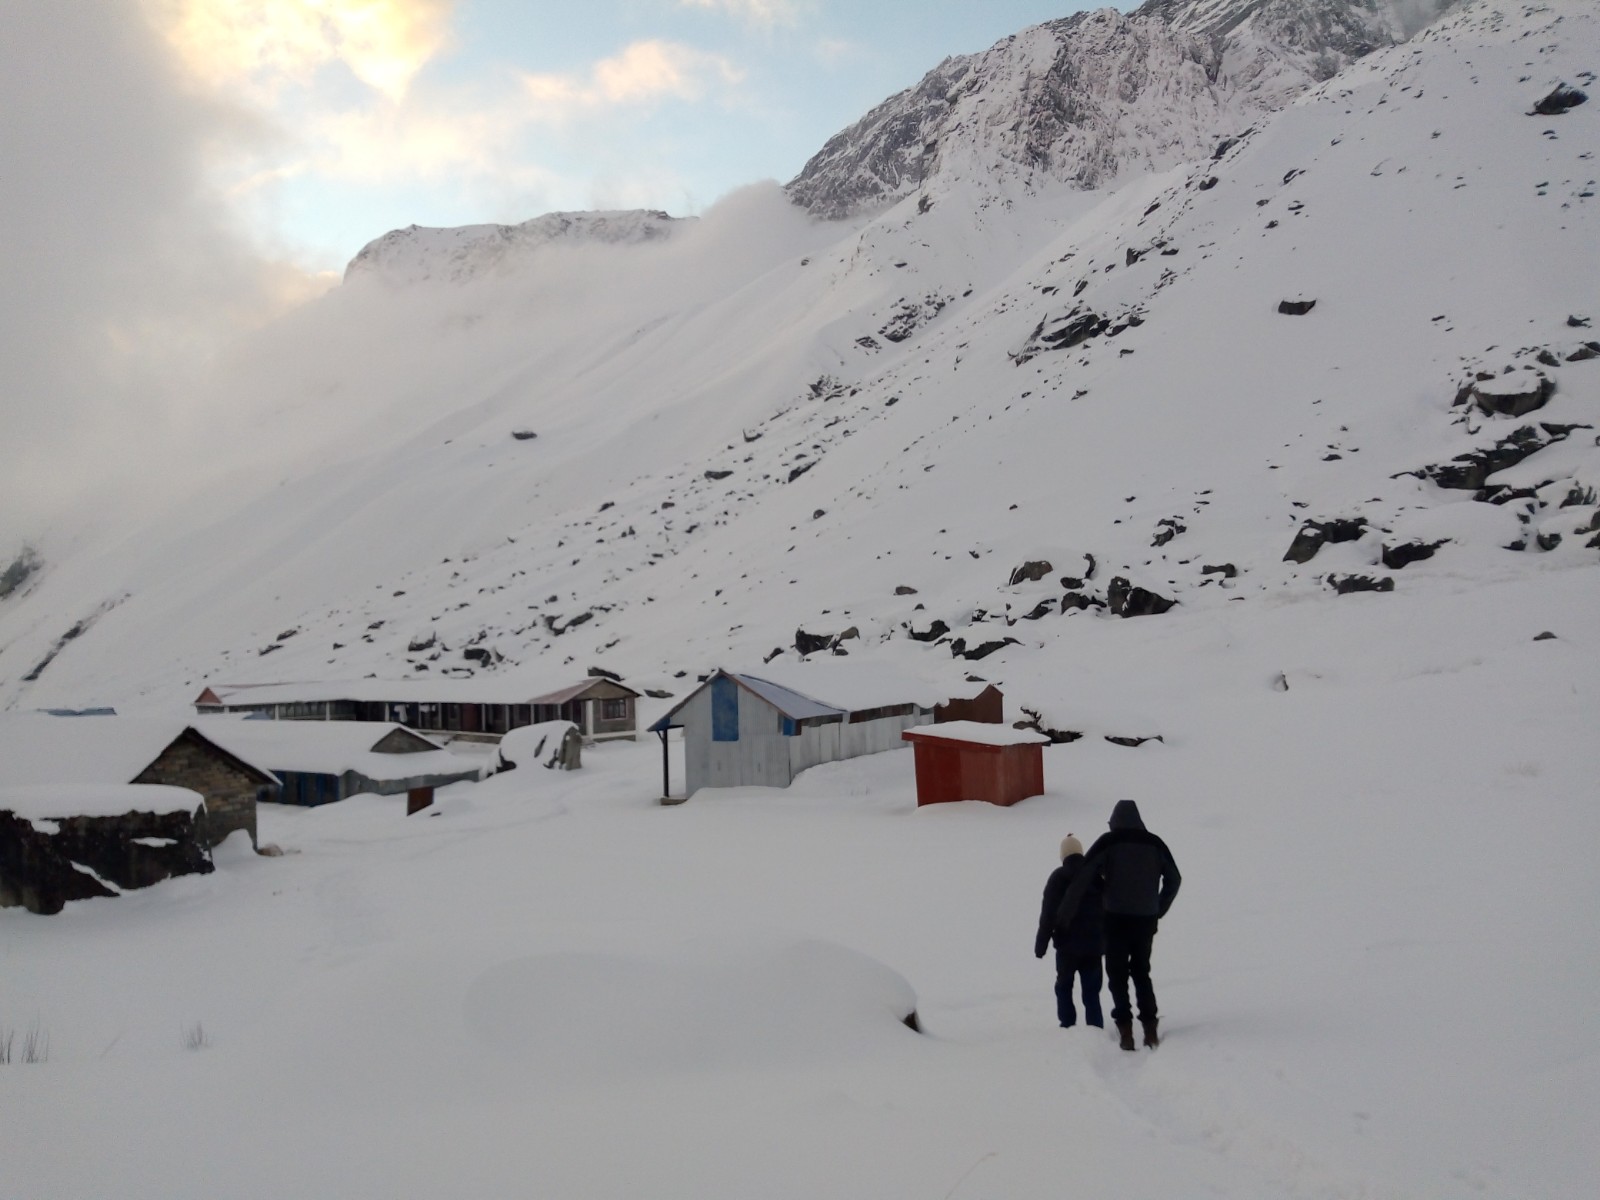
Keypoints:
pixel 263 44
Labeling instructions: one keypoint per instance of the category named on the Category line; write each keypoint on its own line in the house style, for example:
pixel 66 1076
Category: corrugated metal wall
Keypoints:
pixel 762 756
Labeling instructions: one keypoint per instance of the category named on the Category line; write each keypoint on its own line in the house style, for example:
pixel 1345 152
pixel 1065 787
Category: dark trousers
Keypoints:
pixel 1128 942
pixel 1086 968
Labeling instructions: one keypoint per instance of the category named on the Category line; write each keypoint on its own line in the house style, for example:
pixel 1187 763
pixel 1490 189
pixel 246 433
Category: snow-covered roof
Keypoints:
pixel 978 733
pixel 39 749
pixel 329 747
pixel 57 801
pixel 402 691
pixel 836 688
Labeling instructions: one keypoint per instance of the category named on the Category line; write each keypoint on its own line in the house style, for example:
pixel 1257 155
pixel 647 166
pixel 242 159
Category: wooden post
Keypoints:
pixel 418 799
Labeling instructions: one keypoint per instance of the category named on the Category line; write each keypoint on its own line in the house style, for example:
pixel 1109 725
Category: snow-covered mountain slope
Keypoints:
pixel 766 423
pixel 417 254
pixel 1092 97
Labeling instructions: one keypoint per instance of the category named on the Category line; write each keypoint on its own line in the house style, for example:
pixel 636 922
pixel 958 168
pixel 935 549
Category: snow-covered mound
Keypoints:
pixel 417 254
pixel 575 1015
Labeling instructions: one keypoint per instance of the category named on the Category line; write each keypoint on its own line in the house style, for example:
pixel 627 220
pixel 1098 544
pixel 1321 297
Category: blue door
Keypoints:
pixel 724 710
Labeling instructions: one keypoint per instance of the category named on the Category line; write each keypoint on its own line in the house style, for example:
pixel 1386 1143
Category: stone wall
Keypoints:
pixel 230 787
pixel 44 864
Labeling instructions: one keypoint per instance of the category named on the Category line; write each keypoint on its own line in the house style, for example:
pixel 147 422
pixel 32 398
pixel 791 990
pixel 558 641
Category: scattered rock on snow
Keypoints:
pixel 1346 584
pixel 1297 307
pixel 1127 600
pixel 1406 553
pixel 1513 395
pixel 811 643
pixel 1314 535
pixel 1562 99
pixel 1030 572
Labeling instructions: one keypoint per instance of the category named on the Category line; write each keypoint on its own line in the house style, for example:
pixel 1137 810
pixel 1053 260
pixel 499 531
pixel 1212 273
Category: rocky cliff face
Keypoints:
pixel 1093 96
pixel 418 253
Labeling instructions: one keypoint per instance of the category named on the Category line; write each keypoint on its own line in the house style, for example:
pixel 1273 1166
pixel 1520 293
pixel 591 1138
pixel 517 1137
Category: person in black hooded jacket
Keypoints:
pixel 1079 943
pixel 1139 880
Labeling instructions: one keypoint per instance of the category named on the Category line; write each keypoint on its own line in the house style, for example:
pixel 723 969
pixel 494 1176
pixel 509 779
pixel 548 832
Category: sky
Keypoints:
pixel 179 172
pixel 385 113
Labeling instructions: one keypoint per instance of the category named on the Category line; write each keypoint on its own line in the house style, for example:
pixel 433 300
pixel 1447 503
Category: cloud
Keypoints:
pixel 261 44
pixel 641 73
pixel 765 13
pixel 124 272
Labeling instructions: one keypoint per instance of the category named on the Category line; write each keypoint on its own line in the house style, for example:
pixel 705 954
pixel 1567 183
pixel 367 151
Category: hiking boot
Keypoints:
pixel 1125 1035
pixel 1151 1037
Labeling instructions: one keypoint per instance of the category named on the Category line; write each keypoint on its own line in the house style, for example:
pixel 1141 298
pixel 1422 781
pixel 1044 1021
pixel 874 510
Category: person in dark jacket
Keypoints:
pixel 1138 880
pixel 1079 943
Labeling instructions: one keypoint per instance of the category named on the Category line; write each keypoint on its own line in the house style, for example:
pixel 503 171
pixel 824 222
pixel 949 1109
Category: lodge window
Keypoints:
pixel 613 710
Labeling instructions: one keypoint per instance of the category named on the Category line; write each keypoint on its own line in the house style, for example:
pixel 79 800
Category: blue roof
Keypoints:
pixel 797 706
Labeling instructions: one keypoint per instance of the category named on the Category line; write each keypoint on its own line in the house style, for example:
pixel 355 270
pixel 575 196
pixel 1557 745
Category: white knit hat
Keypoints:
pixel 1070 846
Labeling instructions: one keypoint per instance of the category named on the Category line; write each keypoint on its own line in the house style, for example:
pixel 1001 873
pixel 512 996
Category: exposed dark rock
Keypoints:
pixel 715 475
pixel 903 590
pixel 1226 570
pixel 1078 601
pixel 1126 600
pixel 959 649
pixel 22 568
pixel 40 870
pixel 1559 101
pixel 1168 528
pixel 524 435
pixel 1033 721
pixel 1296 308
pixel 1314 535
pixel 1135 741
pixel 478 654
pixel 1043 609
pixel 554 625
pixel 1575 322
pixel 1205 185
pixel 1070 583
pixel 1514 395
pixel 602 673
pixel 1583 353
pixel 932 634
pixel 1546 636
pixel 777 652
pixel 1346 584
pixel 1403 555
pixel 1030 572
pixel 419 644
pixel 1469 472
pixel 663 694
pixel 812 643
pixel 1226 144
pixel 801 470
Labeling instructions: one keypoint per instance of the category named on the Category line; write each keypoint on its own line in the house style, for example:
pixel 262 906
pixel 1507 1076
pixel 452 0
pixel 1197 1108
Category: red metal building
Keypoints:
pixel 971 760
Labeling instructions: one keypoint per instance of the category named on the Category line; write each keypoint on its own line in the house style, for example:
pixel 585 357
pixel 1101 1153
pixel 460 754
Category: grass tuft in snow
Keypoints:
pixel 35 1047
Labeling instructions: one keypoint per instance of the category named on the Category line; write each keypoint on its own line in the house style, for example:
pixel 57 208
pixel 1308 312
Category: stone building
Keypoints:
pixel 42 750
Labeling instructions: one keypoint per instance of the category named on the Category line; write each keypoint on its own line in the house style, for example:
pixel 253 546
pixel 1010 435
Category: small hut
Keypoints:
pixel 970 760
pixel 762 728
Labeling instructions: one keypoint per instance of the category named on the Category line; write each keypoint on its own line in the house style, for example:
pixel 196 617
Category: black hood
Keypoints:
pixel 1126 816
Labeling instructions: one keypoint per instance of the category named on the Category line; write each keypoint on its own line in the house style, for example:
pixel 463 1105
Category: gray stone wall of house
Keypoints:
pixel 402 741
pixel 40 861
pixel 230 790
